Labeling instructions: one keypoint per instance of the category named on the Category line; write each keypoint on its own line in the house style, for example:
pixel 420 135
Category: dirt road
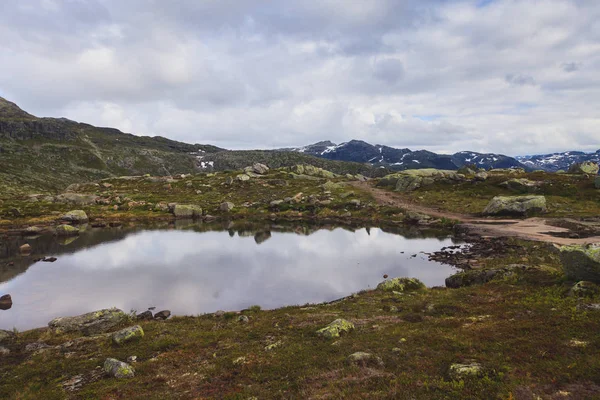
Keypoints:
pixel 529 228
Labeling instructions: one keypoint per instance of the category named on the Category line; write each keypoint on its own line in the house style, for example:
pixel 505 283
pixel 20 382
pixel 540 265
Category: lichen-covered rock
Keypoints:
pixel 401 285
pixel 412 179
pixel 164 314
pixel 479 277
pixel 187 211
pixel 118 369
pixel 7 336
pixel 128 334
pixel 336 329
pixel 459 371
pixel 516 205
pixel 226 206
pixel 584 289
pixel 522 185
pixel 581 263
pixel 586 167
pixel 362 358
pixel 75 216
pixel 90 323
pixel 331 186
pixel 66 230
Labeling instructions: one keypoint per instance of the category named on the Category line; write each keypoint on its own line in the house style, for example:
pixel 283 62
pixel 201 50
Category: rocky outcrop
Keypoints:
pixel 91 323
pixel 516 205
pixel 401 285
pixel 581 263
pixel 336 328
pixel 412 179
pixel 522 185
pixel 75 217
pixel 586 167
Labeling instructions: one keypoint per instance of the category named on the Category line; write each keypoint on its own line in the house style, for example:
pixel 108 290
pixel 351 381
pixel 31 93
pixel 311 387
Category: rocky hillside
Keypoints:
pixel 48 154
pixel 558 161
pixel 402 159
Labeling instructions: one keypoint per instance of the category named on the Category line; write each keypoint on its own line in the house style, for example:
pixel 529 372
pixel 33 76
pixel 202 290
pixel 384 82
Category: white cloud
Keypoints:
pixel 511 76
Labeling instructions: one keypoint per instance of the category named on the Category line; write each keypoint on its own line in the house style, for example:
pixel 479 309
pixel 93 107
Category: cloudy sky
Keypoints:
pixel 510 76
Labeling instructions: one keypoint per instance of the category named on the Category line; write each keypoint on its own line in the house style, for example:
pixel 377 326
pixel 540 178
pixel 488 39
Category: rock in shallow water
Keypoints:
pixel 90 323
pixel 118 369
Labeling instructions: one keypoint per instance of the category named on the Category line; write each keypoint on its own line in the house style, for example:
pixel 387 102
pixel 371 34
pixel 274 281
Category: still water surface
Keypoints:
pixel 191 272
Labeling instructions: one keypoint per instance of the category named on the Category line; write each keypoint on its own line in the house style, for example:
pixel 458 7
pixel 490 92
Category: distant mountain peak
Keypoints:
pixel 8 109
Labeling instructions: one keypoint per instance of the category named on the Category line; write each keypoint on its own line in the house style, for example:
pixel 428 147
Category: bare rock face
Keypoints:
pixel 91 323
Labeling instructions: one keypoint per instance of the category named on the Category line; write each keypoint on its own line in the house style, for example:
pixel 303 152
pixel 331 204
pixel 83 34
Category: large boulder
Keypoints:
pixel 412 179
pixel 516 205
pixel 187 211
pixel 336 328
pixel 586 167
pixel 75 217
pixel 522 185
pixel 91 323
pixel 581 263
pixel 401 285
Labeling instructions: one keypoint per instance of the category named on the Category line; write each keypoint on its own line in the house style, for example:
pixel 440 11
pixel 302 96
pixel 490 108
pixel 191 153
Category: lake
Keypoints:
pixel 191 271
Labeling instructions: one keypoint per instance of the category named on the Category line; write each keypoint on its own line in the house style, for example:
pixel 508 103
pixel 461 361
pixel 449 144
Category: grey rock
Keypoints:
pixel 75 198
pixel 90 323
pixel 336 328
pixel 164 314
pixel 522 185
pixel 146 315
pixel 187 211
pixel 460 371
pixel 118 369
pixel 516 205
pixel 66 230
pixel 260 169
pixel 586 167
pixel 75 217
pixel 243 319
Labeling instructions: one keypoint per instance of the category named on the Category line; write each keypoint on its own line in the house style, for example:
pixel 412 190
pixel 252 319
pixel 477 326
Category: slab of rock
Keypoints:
pixel 409 180
pixel 401 285
pixel 362 358
pixel 187 211
pixel 242 177
pixel 336 328
pixel 581 263
pixel 75 217
pixel 128 334
pixel 91 323
pixel 118 369
pixel 586 167
pixel 516 205
pixel 66 230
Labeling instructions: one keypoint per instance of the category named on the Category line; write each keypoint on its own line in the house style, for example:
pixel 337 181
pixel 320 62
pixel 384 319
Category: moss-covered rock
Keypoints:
pixel 516 205
pixel 336 328
pixel 75 216
pixel 66 230
pixel 90 323
pixel 187 211
pixel 401 285
pixel 118 369
pixel 128 334
pixel 581 263
pixel 331 186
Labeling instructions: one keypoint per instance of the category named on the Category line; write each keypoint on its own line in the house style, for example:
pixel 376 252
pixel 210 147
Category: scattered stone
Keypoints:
pixel 75 217
pixel 578 343
pixel 91 323
pixel 118 369
pixel 187 211
pixel 355 203
pixel 516 205
pixel 581 263
pixel 7 336
pixel 5 302
pixel 146 315
pixel 586 167
pixel 226 206
pixel 276 203
pixel 25 249
pixel 336 328
pixel 242 177
pixel 132 359
pixel 243 319
pixel 164 314
pixel 260 169
pixel 239 361
pixel 584 289
pixel 401 285
pixel 128 334
pixel 364 359
pixel 66 230
pixel 460 371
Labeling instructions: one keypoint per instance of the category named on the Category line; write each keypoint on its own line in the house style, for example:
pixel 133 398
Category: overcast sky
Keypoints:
pixel 510 76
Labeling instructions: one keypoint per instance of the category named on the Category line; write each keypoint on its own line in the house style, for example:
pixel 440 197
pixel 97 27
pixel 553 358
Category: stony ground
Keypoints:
pixel 522 335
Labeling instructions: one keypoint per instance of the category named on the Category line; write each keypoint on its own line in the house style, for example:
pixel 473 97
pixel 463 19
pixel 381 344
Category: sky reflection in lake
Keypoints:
pixel 191 273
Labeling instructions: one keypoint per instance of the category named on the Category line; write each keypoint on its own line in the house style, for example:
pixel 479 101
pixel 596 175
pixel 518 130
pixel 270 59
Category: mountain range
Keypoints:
pixel 51 153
